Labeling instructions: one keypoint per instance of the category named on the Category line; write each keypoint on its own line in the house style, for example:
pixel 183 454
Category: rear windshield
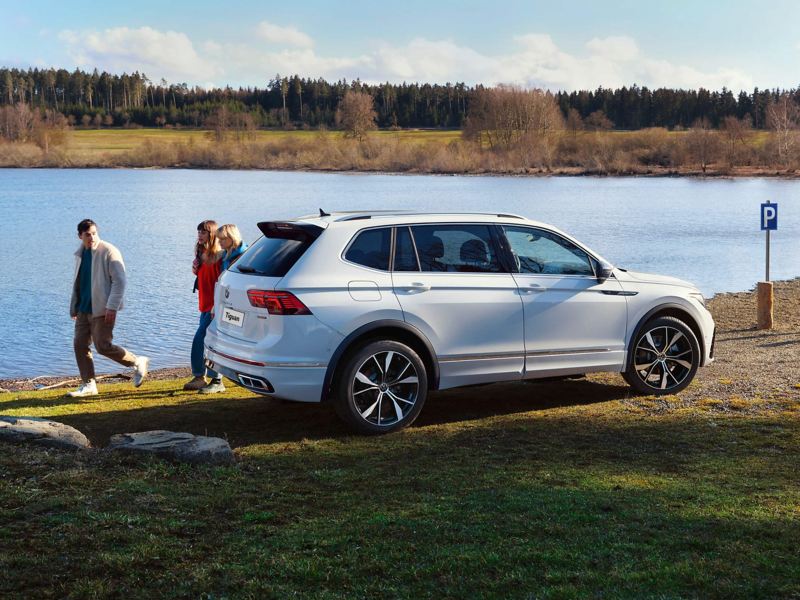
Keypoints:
pixel 272 257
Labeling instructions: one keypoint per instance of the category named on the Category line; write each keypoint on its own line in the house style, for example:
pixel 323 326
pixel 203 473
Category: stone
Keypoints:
pixel 42 432
pixel 183 447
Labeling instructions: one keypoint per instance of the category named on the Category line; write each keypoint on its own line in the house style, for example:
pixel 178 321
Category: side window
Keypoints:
pixel 456 248
pixel 538 251
pixel 405 258
pixel 371 249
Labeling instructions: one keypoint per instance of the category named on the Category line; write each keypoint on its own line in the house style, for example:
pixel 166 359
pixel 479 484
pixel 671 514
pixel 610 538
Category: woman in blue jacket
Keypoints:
pixel 231 241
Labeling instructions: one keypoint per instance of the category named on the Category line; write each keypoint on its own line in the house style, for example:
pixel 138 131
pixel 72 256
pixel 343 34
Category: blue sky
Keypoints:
pixel 555 45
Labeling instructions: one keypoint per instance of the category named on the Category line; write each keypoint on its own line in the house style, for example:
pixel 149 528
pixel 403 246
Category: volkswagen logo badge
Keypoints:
pixel 227 292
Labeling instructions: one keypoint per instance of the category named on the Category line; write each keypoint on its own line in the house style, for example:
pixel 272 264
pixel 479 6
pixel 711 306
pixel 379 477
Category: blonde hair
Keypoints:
pixel 231 232
pixel 209 251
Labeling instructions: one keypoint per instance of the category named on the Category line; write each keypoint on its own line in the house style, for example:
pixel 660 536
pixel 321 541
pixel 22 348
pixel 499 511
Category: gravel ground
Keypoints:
pixel 750 364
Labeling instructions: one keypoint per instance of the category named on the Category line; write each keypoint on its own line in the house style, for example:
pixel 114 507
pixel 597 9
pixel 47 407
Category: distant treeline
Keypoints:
pixel 93 99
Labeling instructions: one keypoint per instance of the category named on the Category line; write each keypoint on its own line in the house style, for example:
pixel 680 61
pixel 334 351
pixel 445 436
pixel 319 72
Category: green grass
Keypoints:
pixel 549 490
pixel 93 141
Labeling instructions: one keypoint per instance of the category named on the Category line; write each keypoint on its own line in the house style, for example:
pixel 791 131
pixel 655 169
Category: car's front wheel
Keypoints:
pixel 381 387
pixel 665 357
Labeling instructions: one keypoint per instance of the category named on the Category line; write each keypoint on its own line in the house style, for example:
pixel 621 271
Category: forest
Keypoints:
pixel 104 99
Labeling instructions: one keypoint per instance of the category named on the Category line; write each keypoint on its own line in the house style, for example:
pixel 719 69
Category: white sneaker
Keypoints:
pixel 140 370
pixel 87 389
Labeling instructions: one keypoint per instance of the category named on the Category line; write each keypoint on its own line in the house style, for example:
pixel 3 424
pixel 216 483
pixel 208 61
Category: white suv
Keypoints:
pixel 371 310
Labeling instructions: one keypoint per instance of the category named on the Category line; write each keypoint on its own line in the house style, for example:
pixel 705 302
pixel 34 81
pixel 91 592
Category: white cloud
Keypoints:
pixel 616 48
pixel 168 54
pixel 242 63
pixel 428 61
pixel 537 61
pixel 288 36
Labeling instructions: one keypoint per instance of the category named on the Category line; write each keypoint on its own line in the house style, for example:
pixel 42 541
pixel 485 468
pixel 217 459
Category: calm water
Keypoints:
pixel 703 231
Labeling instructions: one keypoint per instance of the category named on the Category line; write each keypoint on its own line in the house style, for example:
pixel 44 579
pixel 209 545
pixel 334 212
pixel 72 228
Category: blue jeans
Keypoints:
pixel 198 368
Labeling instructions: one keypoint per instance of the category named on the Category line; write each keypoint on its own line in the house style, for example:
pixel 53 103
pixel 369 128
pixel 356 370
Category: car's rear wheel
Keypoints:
pixel 665 357
pixel 381 387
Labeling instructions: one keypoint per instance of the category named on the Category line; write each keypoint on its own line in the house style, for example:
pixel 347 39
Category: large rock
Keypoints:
pixel 42 432
pixel 185 447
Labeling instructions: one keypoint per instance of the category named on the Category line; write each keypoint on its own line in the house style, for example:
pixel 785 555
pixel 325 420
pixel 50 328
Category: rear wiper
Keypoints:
pixel 244 269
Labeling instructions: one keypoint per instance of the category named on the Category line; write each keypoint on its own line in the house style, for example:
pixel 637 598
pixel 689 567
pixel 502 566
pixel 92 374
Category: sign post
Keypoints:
pixel 769 222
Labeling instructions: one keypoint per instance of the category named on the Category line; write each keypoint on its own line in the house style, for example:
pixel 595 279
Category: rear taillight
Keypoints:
pixel 277 303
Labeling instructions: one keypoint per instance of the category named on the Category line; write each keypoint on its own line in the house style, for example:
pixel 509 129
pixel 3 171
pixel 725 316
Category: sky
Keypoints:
pixel 556 45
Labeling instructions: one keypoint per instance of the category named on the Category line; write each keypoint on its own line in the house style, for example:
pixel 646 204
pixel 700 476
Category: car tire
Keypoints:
pixel 381 387
pixel 664 357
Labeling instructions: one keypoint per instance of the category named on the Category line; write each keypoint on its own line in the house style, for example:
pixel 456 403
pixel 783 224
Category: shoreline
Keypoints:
pixel 733 312
pixel 645 172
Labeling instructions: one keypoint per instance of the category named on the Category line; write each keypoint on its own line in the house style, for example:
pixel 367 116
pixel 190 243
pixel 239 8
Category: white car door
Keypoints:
pixel 452 287
pixel 574 323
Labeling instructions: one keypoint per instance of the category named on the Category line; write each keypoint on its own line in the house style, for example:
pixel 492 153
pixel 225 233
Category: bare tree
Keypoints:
pixel 17 122
pixel 219 123
pixel 598 121
pixel 783 117
pixel 225 123
pixel 357 113
pixel 506 115
pixel 703 143
pixel 736 133
pixel 574 121
pixel 49 130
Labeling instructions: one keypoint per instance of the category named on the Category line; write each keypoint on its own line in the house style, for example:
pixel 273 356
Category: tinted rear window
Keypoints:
pixel 272 257
pixel 371 249
pixel 456 248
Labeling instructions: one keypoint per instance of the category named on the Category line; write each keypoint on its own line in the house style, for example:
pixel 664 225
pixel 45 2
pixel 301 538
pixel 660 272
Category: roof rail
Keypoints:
pixel 354 215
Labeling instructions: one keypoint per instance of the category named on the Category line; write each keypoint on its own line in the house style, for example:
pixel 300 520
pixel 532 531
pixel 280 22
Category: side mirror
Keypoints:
pixel 604 271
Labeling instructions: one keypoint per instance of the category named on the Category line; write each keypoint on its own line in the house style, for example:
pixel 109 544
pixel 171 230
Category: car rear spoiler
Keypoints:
pixel 301 232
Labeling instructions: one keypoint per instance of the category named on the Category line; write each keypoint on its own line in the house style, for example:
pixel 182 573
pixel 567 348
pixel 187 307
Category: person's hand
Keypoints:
pixel 111 317
pixel 195 266
pixel 74 318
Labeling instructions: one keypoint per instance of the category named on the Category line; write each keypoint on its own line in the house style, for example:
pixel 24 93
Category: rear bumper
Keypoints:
pixel 302 383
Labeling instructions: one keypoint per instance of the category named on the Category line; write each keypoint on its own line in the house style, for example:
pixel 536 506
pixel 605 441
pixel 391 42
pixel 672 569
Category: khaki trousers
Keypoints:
pixel 88 329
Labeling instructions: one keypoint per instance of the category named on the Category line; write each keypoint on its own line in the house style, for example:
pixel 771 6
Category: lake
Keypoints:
pixel 705 231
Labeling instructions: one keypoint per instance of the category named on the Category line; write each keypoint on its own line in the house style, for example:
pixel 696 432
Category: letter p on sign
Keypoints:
pixel 769 216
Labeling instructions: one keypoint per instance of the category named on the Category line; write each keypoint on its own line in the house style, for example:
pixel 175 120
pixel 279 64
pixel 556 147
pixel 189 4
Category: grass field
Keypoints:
pixel 121 140
pixel 540 490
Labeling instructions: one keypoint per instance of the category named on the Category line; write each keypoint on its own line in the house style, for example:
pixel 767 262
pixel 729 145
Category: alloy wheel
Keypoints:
pixel 664 358
pixel 385 388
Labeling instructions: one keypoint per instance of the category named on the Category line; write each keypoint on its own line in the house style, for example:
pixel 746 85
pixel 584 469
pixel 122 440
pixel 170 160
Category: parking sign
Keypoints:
pixel 769 217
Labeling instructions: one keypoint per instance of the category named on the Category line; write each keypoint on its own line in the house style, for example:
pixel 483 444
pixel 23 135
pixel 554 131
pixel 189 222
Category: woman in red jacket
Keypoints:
pixel 207 267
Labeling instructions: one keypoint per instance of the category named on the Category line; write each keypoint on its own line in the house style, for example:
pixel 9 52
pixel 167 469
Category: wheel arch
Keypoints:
pixel 384 329
pixel 667 310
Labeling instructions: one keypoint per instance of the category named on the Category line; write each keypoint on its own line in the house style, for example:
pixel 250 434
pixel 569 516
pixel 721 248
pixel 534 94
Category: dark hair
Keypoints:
pixel 208 225
pixel 84 225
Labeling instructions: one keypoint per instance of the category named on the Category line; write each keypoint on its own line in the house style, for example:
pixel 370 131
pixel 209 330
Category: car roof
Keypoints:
pixel 348 222
pixel 396 217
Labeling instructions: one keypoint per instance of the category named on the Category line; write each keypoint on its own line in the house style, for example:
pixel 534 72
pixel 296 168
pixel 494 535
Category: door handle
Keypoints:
pixel 532 288
pixel 415 286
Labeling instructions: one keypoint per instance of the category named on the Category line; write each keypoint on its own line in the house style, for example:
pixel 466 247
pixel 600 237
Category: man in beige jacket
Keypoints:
pixel 97 289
